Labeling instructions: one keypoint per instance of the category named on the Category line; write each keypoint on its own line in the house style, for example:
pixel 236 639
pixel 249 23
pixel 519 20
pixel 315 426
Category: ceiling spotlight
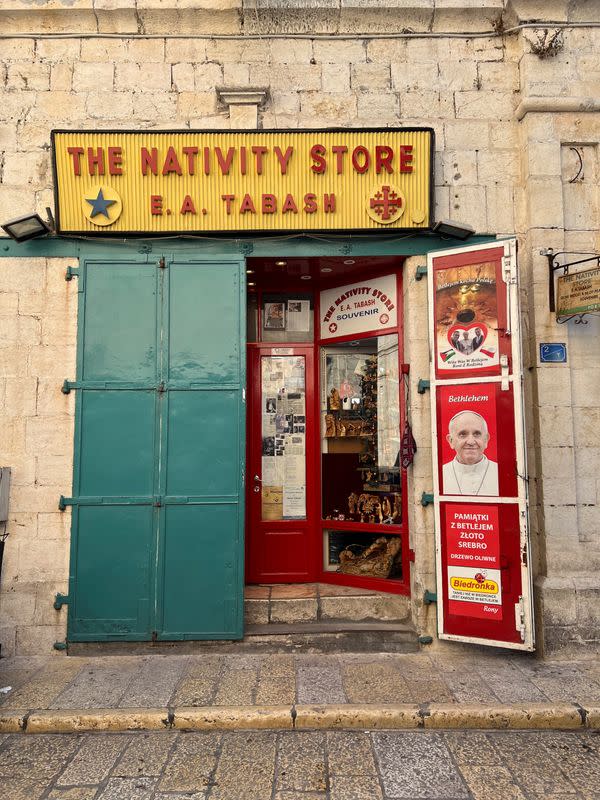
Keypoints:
pixel 326 269
pixel 251 283
pixel 304 277
pixel 457 230
pixel 349 261
pixel 28 227
pixel 249 272
pixel 280 263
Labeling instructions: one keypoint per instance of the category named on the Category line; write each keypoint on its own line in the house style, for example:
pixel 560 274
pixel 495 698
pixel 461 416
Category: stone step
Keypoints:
pixel 370 607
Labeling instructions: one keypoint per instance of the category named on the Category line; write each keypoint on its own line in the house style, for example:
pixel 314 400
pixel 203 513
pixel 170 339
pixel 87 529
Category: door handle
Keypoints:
pixel 256 478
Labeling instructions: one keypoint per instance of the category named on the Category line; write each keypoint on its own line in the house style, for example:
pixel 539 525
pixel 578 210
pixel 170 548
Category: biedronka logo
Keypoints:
pixel 472 585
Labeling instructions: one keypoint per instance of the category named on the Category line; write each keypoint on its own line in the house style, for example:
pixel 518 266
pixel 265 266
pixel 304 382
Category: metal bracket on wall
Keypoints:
pixel 60 645
pixel 68 385
pixel 423 385
pixel 426 499
pixel 429 597
pixel 425 639
pixel 64 502
pixel 72 272
pixel 421 272
pixel 61 600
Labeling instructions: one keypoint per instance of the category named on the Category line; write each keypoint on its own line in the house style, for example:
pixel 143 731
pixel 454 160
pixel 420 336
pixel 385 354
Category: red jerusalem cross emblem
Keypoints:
pixel 386 204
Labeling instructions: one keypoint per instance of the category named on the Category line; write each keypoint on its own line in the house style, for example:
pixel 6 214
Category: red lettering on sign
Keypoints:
pixel 191 153
pixel 149 160
pixel 328 203
pixel 269 204
pixel 225 163
pixel 317 153
pixel 243 160
pixel 76 153
pixel 115 160
pixel 95 161
pixel 283 158
pixel 339 150
pixel 259 151
pixel 156 204
pixel 171 163
pixel 358 153
pixel 247 205
pixel 310 203
pixel 406 158
pixel 384 156
pixel 289 204
pixel 228 198
pixel 187 206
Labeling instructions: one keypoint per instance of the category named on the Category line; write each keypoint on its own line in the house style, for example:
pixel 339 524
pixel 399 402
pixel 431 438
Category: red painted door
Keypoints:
pixel 280 495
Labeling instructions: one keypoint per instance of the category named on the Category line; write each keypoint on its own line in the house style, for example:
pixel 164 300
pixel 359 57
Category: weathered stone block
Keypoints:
pixel 139 78
pixel 89 76
pixel 335 52
pixel 34 75
pixel 330 106
pixel 182 50
pixel 207 76
pixel 48 435
pixel 103 50
pixel 370 77
pixel 285 51
pixel 485 105
pixel 293 610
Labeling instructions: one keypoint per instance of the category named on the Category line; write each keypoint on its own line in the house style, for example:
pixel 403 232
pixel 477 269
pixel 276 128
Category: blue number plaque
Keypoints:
pixel 553 352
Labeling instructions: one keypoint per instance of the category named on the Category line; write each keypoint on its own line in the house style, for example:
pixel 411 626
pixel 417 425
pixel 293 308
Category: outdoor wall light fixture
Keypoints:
pixel 28 227
pixel 457 230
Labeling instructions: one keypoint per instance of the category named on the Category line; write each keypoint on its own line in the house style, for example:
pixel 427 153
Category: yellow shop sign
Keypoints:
pixel 116 182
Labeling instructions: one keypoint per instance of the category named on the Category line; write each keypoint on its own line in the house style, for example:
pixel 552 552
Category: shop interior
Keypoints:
pixel 341 412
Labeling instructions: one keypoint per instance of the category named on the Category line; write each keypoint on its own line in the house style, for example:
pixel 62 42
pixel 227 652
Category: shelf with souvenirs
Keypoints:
pixel 361 480
pixel 370 555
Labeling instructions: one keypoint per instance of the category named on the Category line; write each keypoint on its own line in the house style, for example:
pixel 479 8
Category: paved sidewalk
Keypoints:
pixel 467 689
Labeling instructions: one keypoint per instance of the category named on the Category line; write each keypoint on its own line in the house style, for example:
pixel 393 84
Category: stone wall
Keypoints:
pixel 507 110
pixel 38 319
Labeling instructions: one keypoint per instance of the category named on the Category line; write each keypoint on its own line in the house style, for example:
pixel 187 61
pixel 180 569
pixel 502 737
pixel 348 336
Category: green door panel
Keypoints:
pixel 159 434
pixel 204 323
pixel 199 572
pixel 120 322
pixel 203 434
pixel 117 443
pixel 114 569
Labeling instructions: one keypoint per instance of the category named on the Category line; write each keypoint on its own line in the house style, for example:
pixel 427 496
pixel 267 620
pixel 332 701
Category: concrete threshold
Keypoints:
pixel 428 716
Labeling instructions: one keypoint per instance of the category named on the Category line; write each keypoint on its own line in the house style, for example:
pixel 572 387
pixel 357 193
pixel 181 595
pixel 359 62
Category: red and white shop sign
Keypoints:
pixel 480 493
pixel 363 307
pixel 473 560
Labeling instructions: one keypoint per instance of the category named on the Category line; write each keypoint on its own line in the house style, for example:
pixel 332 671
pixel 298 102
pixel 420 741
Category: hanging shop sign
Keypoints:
pixel 110 182
pixel 578 293
pixel 480 492
pixel 367 306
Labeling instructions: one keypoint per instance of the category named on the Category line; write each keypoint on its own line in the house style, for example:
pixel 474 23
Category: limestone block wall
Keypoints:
pixel 38 319
pixel 506 115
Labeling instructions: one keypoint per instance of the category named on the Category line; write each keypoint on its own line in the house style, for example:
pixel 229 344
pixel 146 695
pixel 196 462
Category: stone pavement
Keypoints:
pixel 466 688
pixel 302 765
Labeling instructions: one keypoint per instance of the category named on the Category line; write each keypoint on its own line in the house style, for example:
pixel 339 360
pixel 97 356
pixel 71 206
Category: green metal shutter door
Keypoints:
pixel 158 511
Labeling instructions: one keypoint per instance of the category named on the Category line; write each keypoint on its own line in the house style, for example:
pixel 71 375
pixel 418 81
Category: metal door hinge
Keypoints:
pixel 420 272
pixel 68 385
pixel 72 272
pixel 60 645
pixel 423 385
pixel 61 600
pixel 161 388
pixel 161 263
pixel 427 498
pixel 429 597
pixel 63 502
pixel 411 555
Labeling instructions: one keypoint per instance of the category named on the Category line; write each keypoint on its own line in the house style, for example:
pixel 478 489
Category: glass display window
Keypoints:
pixel 360 424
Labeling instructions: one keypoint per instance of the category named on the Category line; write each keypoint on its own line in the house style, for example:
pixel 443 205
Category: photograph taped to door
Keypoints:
pixel 469 321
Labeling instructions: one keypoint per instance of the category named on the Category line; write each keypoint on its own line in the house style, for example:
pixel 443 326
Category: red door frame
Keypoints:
pixel 315 524
pixel 280 534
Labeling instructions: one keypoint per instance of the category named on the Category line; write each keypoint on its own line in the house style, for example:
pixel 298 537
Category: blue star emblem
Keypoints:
pixel 99 205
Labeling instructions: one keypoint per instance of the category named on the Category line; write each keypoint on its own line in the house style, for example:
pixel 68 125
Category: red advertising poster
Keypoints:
pixel 481 569
pixel 469 298
pixel 473 560
pixel 476 440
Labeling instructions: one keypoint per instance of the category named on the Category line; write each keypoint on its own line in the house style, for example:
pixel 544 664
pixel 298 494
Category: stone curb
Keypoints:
pixel 429 716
